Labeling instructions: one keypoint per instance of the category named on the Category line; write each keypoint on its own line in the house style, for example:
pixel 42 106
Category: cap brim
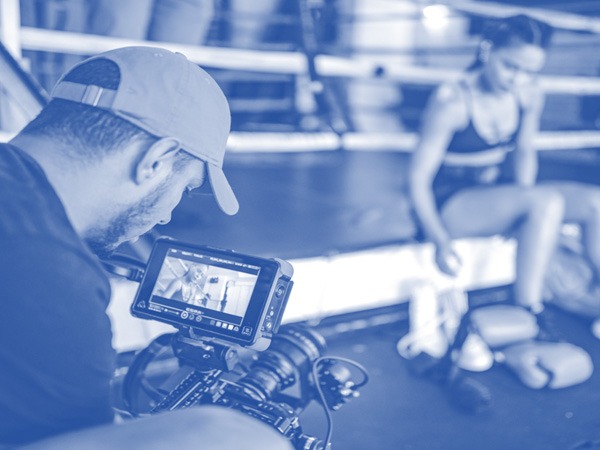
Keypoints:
pixel 222 190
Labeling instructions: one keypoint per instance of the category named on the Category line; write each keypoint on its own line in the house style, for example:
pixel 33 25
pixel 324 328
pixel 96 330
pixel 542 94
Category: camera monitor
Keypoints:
pixel 214 293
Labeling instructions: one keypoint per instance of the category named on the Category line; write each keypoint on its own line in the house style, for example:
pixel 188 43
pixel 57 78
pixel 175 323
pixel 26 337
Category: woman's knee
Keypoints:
pixel 546 202
pixel 593 204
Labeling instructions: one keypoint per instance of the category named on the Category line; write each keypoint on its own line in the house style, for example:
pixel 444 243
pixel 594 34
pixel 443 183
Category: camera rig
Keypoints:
pixel 220 347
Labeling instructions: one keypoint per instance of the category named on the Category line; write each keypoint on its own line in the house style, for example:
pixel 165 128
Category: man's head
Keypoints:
pixel 155 114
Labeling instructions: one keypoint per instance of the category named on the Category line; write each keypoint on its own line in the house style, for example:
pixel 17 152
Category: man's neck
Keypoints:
pixel 77 189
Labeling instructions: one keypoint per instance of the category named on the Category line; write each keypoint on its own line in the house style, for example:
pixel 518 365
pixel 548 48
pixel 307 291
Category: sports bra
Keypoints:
pixel 472 161
pixel 468 140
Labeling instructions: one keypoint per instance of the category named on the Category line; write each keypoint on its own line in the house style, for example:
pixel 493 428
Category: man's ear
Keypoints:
pixel 156 158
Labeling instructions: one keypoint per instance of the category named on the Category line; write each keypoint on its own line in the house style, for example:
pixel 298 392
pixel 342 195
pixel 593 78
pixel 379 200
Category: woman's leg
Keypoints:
pixel 537 214
pixel 582 206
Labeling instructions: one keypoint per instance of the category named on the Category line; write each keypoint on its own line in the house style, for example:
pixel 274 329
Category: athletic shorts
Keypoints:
pixel 451 179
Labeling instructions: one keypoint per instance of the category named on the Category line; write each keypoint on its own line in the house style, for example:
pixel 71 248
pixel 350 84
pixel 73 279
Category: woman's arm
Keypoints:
pixel 173 287
pixel 526 160
pixel 200 294
pixel 438 125
pixel 444 114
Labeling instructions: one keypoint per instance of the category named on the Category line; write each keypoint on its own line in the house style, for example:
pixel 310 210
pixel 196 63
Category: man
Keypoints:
pixel 126 134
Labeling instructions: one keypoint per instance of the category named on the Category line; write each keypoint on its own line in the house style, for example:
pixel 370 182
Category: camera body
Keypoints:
pixel 273 386
pixel 214 293
pixel 221 302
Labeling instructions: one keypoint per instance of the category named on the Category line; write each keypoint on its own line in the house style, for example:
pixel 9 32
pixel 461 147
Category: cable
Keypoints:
pixel 315 373
pixel 351 363
pixel 134 375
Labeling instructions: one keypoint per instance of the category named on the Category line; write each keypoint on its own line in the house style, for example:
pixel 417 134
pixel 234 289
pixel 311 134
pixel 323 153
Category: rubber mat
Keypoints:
pixel 398 410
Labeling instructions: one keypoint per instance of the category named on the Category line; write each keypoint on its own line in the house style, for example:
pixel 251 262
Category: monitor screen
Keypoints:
pixel 205 288
pixel 214 293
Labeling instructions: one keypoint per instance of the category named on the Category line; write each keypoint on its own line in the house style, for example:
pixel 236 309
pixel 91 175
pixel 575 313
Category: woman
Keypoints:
pixel 189 287
pixel 459 182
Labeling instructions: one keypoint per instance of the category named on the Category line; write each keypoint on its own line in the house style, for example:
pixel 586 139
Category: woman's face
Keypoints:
pixel 515 64
pixel 196 273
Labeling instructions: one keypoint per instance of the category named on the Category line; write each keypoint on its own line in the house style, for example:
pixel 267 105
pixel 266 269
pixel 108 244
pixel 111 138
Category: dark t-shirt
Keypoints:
pixel 56 359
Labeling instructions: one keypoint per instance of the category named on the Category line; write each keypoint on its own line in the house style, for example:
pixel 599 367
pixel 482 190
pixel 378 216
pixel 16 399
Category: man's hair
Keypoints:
pixel 91 131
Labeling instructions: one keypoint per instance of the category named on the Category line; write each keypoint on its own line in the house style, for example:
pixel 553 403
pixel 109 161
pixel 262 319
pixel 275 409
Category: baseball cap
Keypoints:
pixel 166 95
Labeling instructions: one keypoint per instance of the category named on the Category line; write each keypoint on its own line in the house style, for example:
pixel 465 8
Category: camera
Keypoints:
pixel 215 293
pixel 229 348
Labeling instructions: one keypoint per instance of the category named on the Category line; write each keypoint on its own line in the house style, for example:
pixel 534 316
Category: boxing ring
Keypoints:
pixel 333 201
pixel 368 231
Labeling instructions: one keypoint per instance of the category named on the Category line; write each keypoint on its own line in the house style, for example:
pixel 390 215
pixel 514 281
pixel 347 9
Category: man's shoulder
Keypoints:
pixel 60 357
pixel 65 268
pixel 16 165
pixel 35 229
pixel 29 204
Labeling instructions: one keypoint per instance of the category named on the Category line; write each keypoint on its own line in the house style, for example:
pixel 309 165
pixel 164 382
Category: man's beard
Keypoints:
pixel 104 240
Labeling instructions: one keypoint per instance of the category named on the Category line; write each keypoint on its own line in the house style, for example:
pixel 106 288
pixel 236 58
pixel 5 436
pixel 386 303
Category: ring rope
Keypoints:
pixel 399 142
pixel 364 66
pixel 293 63
pixel 261 142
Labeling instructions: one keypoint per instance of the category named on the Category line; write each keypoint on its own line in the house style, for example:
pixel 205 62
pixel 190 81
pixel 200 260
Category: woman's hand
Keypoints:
pixel 447 259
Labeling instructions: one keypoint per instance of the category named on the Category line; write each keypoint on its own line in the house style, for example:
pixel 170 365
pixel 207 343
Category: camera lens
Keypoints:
pixel 289 358
pixel 306 442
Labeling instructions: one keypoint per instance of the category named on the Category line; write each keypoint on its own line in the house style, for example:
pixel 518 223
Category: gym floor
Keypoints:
pixel 296 205
pixel 311 204
pixel 399 410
